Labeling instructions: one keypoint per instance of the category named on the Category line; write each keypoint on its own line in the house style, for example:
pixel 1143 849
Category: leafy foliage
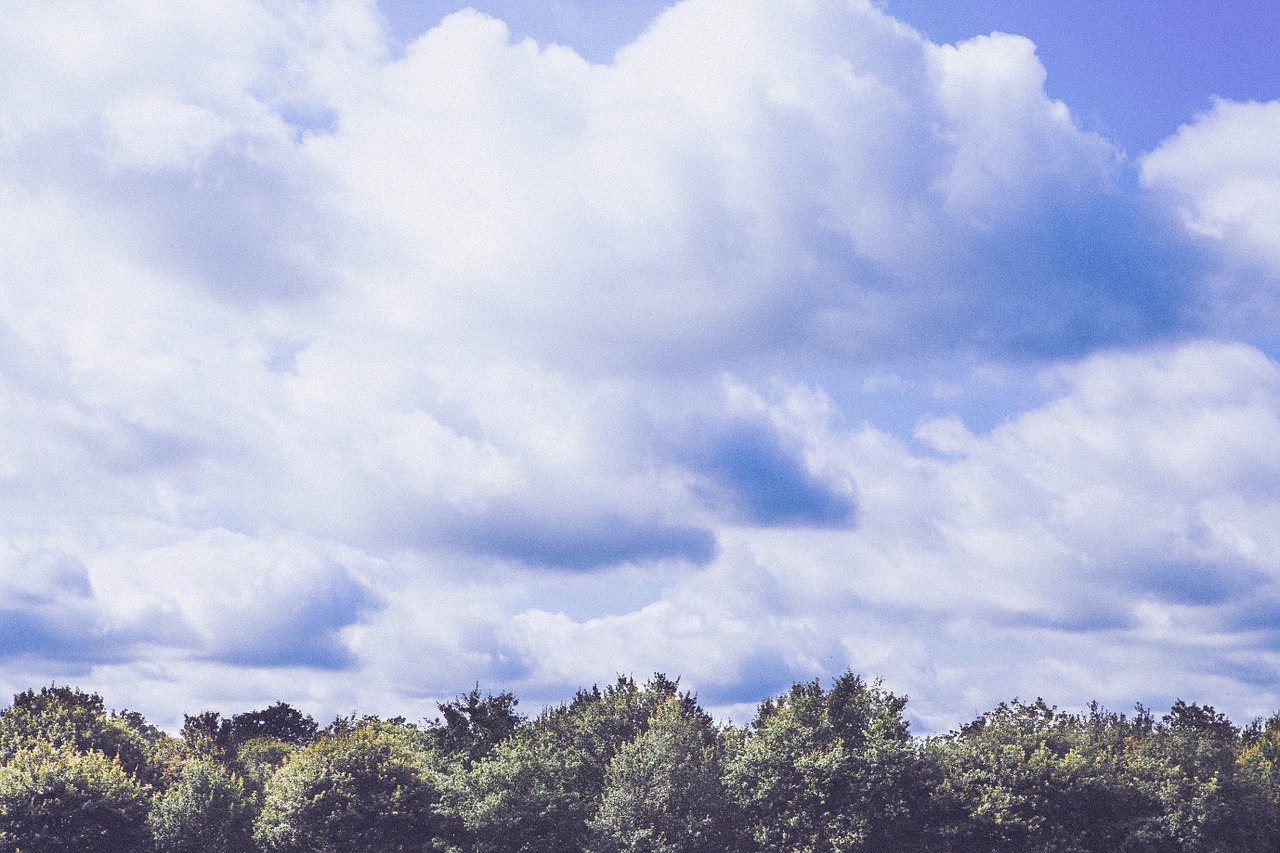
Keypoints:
pixel 830 771
pixel 663 790
pixel 280 722
pixel 538 789
pixel 65 716
pixel 638 769
pixel 1027 777
pixel 260 757
pixel 55 798
pixel 364 791
pixel 208 810
pixel 209 733
pixel 1206 801
pixel 473 726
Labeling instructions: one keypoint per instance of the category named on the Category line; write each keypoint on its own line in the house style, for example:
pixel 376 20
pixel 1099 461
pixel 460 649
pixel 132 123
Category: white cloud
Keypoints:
pixel 486 361
pixel 1222 173
pixel 1130 513
pixel 822 163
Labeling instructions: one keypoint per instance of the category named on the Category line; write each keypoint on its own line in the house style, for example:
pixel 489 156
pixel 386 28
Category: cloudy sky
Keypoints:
pixel 355 353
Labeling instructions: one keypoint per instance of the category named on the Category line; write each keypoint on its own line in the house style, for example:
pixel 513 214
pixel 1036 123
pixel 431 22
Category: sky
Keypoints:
pixel 354 354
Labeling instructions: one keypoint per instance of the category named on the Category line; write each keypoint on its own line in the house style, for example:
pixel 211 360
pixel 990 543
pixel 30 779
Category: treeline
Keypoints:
pixel 637 768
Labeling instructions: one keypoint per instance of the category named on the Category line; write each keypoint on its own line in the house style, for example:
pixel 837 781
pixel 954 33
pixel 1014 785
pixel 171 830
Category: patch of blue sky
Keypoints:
pixel 1133 70
pixel 595 30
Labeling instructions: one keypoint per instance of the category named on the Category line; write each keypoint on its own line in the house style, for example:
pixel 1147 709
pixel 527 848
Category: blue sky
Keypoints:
pixel 355 353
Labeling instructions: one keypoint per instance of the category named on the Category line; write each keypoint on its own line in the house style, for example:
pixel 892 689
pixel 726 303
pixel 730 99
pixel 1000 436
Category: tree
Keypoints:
pixel 1026 777
pixel 209 733
pixel 65 716
pixel 207 810
pixel 260 757
pixel 473 725
pixel 363 791
pixel 830 771
pixel 663 792
pixel 1260 757
pixel 1208 799
pixel 280 721
pixel 538 788
pixel 55 798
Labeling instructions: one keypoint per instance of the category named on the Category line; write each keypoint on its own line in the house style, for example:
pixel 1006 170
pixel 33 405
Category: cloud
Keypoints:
pixel 50 613
pixel 588 543
pixel 1221 170
pixel 257 602
pixel 743 183
pixel 1219 173
pixel 1111 517
pixel 745 472
pixel 322 362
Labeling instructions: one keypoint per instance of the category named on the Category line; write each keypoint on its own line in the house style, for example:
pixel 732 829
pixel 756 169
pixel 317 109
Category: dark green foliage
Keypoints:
pixel 260 757
pixel 473 726
pixel 1026 777
pixel 1208 801
pixel 368 790
pixel 1260 756
pixel 55 799
pixel 207 810
pixel 280 722
pixel 537 790
pixel 827 771
pixel 638 769
pixel 208 733
pixel 664 792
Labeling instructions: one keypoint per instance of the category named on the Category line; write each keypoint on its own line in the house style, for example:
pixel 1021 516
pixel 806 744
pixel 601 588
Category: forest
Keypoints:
pixel 640 768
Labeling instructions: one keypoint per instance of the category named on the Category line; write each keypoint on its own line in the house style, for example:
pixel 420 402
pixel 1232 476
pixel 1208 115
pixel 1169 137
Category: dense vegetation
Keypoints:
pixel 637 769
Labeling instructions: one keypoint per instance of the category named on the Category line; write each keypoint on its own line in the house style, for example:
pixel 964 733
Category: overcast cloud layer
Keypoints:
pixel 785 343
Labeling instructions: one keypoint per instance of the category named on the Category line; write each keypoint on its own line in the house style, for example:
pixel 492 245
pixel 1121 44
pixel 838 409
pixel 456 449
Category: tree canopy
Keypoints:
pixel 638 768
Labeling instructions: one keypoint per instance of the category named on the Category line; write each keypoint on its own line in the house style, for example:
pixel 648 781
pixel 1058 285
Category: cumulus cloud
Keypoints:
pixel 1220 172
pixel 482 360
pixel 743 182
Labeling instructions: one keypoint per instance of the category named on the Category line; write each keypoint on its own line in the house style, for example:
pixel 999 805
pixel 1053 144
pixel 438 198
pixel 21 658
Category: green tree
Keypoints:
pixel 55 798
pixel 663 791
pixel 1026 777
pixel 368 790
pixel 260 757
pixel 207 810
pixel 65 716
pixel 1210 800
pixel 1260 757
pixel 472 726
pixel 209 733
pixel 280 721
pixel 538 788
pixel 830 771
